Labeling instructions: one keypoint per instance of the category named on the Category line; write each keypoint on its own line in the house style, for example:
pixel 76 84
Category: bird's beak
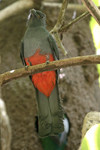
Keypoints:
pixel 33 13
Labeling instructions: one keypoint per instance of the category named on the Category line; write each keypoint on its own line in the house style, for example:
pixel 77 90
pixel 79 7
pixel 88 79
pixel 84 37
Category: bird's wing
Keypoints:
pixel 54 49
pixel 22 53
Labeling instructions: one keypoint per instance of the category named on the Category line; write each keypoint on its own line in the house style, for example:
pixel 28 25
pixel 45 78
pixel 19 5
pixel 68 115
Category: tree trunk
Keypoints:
pixel 78 85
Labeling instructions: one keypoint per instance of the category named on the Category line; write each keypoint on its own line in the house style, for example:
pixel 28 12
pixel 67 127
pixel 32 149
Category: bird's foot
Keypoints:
pixel 26 67
pixel 47 62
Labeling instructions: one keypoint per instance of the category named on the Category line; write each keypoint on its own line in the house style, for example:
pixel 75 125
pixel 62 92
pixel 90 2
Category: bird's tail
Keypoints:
pixel 50 113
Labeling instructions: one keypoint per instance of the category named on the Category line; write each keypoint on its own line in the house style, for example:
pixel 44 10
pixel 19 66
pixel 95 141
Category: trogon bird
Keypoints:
pixel 37 47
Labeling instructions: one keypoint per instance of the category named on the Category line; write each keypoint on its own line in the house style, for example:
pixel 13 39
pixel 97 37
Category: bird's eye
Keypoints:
pixel 42 16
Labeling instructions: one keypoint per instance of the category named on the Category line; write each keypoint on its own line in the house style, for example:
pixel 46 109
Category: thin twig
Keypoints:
pixel 59 24
pixel 72 23
pixel 54 65
pixel 61 16
pixel 60 45
pixel 68 26
pixel 93 9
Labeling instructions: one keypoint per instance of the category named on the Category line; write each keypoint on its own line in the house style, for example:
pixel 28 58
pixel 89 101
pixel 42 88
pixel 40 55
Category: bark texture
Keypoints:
pixel 78 85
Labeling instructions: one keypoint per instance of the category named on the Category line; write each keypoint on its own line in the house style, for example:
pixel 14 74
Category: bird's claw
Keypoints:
pixel 26 67
pixel 47 62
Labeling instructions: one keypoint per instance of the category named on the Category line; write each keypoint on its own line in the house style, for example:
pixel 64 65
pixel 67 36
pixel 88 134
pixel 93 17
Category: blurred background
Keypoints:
pixel 78 86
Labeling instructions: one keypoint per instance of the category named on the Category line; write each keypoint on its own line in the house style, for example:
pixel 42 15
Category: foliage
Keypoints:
pixel 95 29
pixel 91 141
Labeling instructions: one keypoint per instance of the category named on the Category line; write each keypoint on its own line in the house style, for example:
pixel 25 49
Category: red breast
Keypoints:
pixel 44 81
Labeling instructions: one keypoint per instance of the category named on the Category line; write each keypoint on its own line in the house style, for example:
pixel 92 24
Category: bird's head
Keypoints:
pixel 36 18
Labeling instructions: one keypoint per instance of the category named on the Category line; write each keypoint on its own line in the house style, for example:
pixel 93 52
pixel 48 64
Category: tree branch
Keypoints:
pixel 69 25
pixel 24 5
pixel 60 45
pixel 54 65
pixel 61 16
pixel 93 9
pixel 78 7
pixel 59 24
pixel 15 9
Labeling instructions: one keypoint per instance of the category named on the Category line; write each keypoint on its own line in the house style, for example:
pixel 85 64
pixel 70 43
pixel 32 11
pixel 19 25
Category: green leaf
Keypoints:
pixel 91 141
pixel 96 2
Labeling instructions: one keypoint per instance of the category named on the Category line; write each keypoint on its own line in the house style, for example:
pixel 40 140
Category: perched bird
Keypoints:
pixel 59 141
pixel 37 47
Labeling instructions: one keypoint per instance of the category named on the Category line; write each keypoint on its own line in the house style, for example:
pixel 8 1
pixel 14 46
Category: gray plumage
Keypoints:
pixel 50 113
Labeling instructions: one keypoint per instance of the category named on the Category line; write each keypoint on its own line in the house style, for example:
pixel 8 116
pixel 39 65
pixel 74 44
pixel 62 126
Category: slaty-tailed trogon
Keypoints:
pixel 38 46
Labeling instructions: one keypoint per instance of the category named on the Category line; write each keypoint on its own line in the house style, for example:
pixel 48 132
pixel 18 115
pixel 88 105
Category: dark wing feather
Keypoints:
pixel 53 47
pixel 22 55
